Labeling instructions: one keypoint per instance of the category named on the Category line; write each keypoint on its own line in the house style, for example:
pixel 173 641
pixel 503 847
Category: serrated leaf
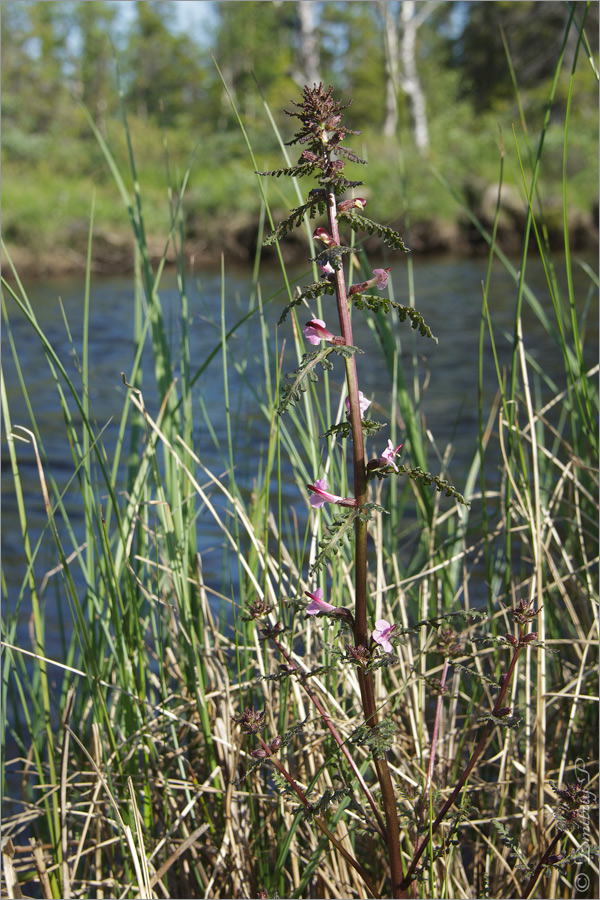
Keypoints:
pixel 417 473
pixel 375 303
pixel 379 739
pixel 312 292
pixel 294 171
pixel 344 429
pixel 361 223
pixel 306 372
pixel 295 219
pixel 416 320
pixel 339 528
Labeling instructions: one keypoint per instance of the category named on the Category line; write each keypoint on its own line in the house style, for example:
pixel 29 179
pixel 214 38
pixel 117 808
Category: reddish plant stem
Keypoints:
pixel 360 562
pixel 479 748
pixel 538 869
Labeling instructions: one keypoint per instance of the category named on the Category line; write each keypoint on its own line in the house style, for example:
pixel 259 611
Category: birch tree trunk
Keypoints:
pixel 401 67
pixel 390 36
pixel 410 79
pixel 309 60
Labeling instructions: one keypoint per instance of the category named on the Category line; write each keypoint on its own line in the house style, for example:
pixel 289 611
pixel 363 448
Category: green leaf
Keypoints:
pixel 379 739
pixel 293 171
pixel 340 527
pixel 417 473
pixel 294 220
pixel 309 293
pixel 361 223
pixel 306 371
pixel 344 429
pixel 376 303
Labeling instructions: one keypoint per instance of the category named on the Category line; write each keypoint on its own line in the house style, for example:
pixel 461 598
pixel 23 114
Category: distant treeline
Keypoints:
pixel 379 53
pixel 444 82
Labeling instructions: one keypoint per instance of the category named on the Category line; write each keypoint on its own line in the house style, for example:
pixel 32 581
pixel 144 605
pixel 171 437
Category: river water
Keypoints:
pixel 448 292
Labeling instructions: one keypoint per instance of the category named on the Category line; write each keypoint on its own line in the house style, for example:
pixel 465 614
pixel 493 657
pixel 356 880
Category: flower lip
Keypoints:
pixel 326 268
pixel 317 604
pixel 321 495
pixel 356 203
pixel 321 234
pixel 316 331
pixel 379 280
pixel 387 457
pixel 382 632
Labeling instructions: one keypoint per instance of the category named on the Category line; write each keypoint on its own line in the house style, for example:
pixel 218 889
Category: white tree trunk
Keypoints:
pixel 410 79
pixel 390 36
pixel 309 60
pixel 401 67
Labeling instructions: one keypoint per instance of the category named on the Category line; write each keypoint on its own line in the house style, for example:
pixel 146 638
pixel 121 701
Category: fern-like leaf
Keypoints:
pixel 514 849
pixel 313 206
pixel 416 320
pixel 340 527
pixel 379 739
pixel 309 293
pixel 417 473
pixel 294 171
pixel 344 429
pixel 376 303
pixel 361 223
pixel 306 371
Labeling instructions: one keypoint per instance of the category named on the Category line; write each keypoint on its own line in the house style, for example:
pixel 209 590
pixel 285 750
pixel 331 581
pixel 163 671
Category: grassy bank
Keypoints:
pixel 46 189
pixel 135 779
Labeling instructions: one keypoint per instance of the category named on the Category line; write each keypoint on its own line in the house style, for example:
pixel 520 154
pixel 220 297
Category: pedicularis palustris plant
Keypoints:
pixel 324 156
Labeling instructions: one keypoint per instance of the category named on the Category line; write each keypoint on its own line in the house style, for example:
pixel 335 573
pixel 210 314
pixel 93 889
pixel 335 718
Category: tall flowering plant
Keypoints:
pixel 323 155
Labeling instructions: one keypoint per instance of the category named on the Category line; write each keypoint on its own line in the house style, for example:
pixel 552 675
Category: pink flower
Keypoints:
pixel 379 280
pixel 321 234
pixel 358 203
pixel 389 454
pixel 382 632
pixel 326 268
pixel 321 495
pixel 364 403
pixel 318 604
pixel 315 332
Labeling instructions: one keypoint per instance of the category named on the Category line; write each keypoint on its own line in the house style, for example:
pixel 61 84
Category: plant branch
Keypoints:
pixel 317 819
pixel 479 748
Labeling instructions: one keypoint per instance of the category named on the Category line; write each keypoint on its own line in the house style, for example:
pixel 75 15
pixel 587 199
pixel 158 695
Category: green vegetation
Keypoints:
pixel 58 55
pixel 134 779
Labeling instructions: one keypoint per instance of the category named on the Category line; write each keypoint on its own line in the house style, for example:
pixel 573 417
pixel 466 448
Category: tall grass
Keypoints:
pixel 134 780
